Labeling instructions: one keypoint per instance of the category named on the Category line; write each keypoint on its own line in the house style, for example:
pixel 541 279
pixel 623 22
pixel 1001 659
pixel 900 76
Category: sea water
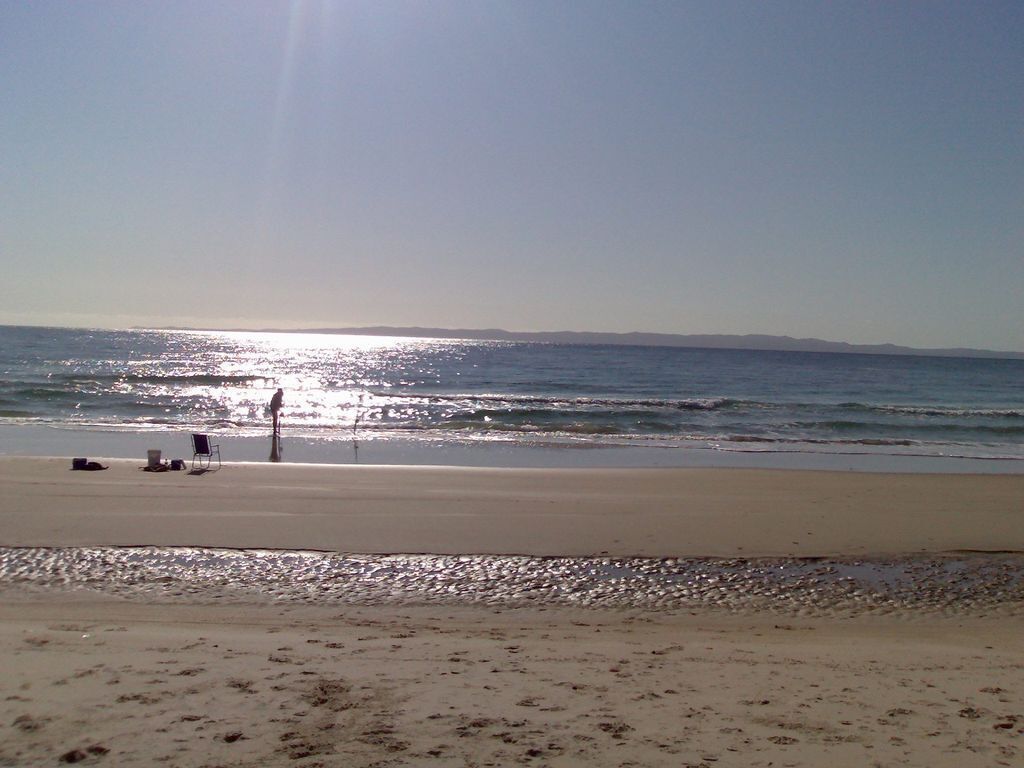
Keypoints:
pixel 461 396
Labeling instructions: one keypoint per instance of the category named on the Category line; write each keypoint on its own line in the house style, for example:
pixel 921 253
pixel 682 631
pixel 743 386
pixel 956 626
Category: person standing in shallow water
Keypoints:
pixel 275 409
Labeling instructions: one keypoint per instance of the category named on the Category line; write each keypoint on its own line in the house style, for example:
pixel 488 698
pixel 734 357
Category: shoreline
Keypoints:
pixel 52 440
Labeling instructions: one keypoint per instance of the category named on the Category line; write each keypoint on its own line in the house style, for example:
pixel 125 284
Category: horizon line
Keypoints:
pixel 729 341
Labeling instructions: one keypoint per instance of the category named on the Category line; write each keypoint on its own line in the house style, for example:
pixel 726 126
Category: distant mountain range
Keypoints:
pixel 701 341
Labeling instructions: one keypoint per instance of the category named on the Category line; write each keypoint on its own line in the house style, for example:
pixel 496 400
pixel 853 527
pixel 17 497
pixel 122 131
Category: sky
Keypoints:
pixel 852 171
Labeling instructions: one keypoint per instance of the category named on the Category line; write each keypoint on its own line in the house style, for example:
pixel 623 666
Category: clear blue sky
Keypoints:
pixel 845 170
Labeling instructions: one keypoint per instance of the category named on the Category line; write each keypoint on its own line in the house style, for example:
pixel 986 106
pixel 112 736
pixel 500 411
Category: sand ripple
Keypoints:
pixel 969 584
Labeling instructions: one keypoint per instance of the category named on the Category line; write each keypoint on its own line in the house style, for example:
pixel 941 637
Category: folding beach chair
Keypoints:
pixel 202 451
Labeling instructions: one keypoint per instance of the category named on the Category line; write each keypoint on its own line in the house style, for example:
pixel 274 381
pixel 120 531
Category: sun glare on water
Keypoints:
pixel 330 381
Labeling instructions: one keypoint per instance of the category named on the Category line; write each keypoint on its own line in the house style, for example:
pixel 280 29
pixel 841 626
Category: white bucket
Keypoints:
pixel 154 457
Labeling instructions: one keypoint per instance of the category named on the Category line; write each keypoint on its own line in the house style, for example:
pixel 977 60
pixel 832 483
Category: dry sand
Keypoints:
pixel 279 686
pixel 114 682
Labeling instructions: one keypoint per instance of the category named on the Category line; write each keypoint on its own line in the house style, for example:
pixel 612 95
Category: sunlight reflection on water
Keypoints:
pixel 344 387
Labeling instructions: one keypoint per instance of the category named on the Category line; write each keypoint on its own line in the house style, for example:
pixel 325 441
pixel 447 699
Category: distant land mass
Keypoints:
pixel 697 341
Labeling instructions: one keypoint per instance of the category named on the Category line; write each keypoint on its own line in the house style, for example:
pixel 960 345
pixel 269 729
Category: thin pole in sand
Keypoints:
pixel 355 427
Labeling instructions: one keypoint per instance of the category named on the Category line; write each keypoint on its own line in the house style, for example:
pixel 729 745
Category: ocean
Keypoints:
pixel 455 401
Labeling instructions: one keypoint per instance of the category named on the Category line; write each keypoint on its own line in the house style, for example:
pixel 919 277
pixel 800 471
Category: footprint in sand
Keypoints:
pixel 28 723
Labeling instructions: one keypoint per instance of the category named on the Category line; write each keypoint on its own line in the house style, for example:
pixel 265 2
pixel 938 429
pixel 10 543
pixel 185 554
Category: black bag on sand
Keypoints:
pixel 85 464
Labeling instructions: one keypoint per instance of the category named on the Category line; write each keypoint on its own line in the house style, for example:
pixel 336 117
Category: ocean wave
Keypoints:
pixel 191 379
pixel 937 427
pixel 103 381
pixel 553 403
pixel 879 441
pixel 936 411
pixel 30 393
pixel 14 413
pixel 577 428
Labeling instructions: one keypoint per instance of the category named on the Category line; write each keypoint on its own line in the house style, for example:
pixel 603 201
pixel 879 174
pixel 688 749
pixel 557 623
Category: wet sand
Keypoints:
pixel 960 585
pixel 155 676
pixel 443 510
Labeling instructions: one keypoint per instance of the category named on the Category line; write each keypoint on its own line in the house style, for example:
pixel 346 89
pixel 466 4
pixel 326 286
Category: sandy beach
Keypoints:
pixel 379 509
pixel 105 680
